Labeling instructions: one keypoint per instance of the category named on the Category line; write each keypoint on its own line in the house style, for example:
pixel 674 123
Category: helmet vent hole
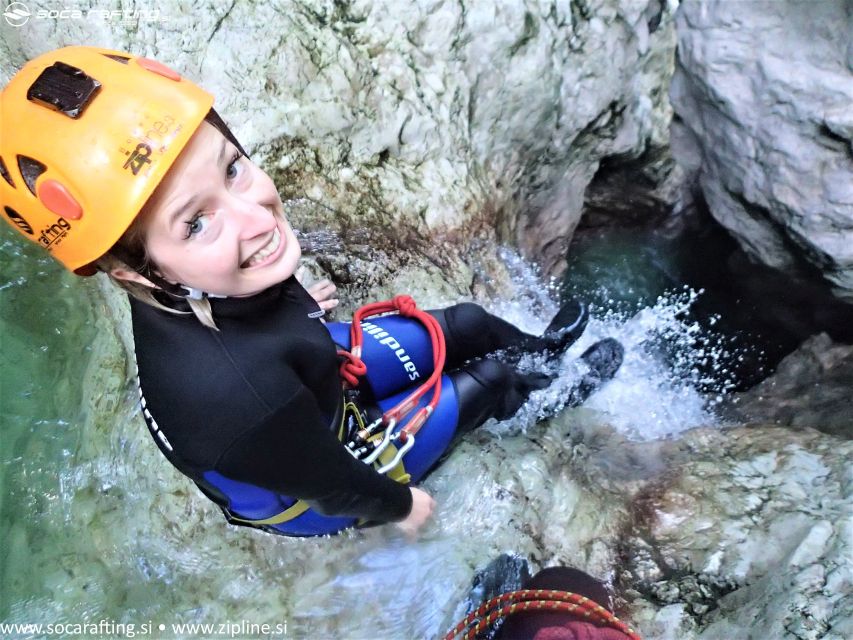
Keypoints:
pixel 18 220
pixel 121 59
pixel 5 173
pixel 30 171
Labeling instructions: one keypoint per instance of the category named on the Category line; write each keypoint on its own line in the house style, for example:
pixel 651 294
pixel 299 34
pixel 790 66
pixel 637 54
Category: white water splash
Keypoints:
pixel 656 392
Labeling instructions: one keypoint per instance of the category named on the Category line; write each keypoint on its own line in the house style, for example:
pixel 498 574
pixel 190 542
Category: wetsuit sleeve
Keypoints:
pixel 303 459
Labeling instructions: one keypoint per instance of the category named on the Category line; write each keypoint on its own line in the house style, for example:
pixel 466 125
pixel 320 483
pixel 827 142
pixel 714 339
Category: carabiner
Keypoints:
pixel 410 442
pixel 386 440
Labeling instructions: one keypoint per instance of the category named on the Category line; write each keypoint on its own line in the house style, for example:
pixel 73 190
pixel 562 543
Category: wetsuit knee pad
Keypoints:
pixel 467 325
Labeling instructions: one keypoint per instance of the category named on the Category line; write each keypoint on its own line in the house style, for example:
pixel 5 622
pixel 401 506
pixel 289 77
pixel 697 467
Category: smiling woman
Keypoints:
pixel 248 402
pixel 216 221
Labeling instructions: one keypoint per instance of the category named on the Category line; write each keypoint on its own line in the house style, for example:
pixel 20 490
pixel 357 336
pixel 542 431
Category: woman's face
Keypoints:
pixel 216 221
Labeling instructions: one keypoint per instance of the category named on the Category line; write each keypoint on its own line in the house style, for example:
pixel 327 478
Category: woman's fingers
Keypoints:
pixel 423 507
pixel 324 288
pixel 323 293
pixel 325 305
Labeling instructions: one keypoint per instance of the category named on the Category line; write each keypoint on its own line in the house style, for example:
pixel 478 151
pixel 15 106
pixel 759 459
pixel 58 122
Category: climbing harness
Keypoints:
pixel 369 443
pixel 537 600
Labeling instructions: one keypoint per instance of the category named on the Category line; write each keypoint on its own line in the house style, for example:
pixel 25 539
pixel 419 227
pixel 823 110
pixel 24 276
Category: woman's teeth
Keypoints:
pixel 263 254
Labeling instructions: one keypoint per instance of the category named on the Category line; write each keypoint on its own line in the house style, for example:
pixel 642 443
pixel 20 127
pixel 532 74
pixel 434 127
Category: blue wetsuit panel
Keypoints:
pixel 396 350
pixel 247 500
pixel 436 433
pixel 254 503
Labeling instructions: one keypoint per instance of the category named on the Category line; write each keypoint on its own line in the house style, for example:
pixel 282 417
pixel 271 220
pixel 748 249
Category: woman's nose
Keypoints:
pixel 251 218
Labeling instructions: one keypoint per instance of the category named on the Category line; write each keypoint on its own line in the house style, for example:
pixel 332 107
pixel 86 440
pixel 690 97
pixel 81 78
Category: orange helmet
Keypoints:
pixel 86 135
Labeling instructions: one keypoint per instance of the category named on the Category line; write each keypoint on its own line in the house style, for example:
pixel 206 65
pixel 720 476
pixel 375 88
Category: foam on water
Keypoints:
pixel 661 388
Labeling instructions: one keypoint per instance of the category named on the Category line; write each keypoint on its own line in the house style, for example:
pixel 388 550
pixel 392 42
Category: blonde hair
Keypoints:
pixel 133 241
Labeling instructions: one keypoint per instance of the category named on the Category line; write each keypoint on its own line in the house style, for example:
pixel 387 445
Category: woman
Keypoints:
pixel 115 163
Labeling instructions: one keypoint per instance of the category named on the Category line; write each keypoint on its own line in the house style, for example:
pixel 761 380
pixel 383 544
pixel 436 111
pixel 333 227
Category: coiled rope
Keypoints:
pixel 537 600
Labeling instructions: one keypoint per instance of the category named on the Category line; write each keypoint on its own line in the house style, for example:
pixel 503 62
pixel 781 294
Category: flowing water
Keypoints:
pixel 98 528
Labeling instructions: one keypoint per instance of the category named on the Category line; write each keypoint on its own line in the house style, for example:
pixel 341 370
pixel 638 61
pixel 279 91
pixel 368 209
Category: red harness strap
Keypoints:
pixel 353 367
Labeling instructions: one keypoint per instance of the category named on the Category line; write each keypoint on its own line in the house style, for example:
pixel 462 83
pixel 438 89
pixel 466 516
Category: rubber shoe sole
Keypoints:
pixel 567 326
pixel 603 359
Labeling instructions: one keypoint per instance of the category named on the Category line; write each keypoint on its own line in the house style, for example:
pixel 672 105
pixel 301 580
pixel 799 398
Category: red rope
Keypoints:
pixel 538 600
pixel 353 367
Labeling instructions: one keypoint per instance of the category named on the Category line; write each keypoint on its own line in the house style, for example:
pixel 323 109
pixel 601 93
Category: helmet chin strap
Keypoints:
pixel 198 294
pixel 145 269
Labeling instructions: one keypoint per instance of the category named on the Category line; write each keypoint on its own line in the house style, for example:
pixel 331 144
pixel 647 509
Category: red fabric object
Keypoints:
pixel 576 630
pixel 529 625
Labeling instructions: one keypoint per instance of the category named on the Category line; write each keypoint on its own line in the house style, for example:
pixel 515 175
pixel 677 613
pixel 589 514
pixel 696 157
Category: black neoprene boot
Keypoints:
pixel 561 333
pixel 566 326
pixel 603 359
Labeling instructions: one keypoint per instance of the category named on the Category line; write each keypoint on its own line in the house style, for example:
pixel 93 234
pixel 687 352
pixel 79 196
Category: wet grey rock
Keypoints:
pixel 748 535
pixel 767 131
pixel 812 387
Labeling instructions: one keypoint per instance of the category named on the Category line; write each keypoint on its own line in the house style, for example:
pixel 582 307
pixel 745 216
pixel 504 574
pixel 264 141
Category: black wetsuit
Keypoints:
pixel 256 401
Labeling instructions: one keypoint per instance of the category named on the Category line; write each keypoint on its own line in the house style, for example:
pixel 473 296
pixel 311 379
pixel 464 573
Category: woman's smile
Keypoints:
pixel 268 253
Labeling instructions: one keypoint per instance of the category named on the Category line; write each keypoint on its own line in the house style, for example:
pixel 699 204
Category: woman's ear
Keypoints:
pixel 130 275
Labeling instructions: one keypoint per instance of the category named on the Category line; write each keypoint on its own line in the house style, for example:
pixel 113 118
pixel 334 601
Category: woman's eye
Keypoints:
pixel 195 225
pixel 233 164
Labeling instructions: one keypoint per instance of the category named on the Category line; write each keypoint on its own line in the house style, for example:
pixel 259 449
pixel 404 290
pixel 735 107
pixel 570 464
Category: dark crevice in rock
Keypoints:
pixel 603 126
pixel 654 14
pixel 834 141
pixel 798 265
pixel 624 191
pixel 825 131
pixel 529 32
pixel 581 11
pixel 221 20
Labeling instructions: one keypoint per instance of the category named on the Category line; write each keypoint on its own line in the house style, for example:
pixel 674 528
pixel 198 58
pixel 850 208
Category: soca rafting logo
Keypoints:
pixel 385 338
pixel 17 14
pixel 52 235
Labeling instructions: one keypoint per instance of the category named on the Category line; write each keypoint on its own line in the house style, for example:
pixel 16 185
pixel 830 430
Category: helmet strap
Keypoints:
pixel 144 268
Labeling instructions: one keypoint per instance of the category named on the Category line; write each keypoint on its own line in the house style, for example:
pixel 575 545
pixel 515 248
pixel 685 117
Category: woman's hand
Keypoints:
pixel 323 292
pixel 422 508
